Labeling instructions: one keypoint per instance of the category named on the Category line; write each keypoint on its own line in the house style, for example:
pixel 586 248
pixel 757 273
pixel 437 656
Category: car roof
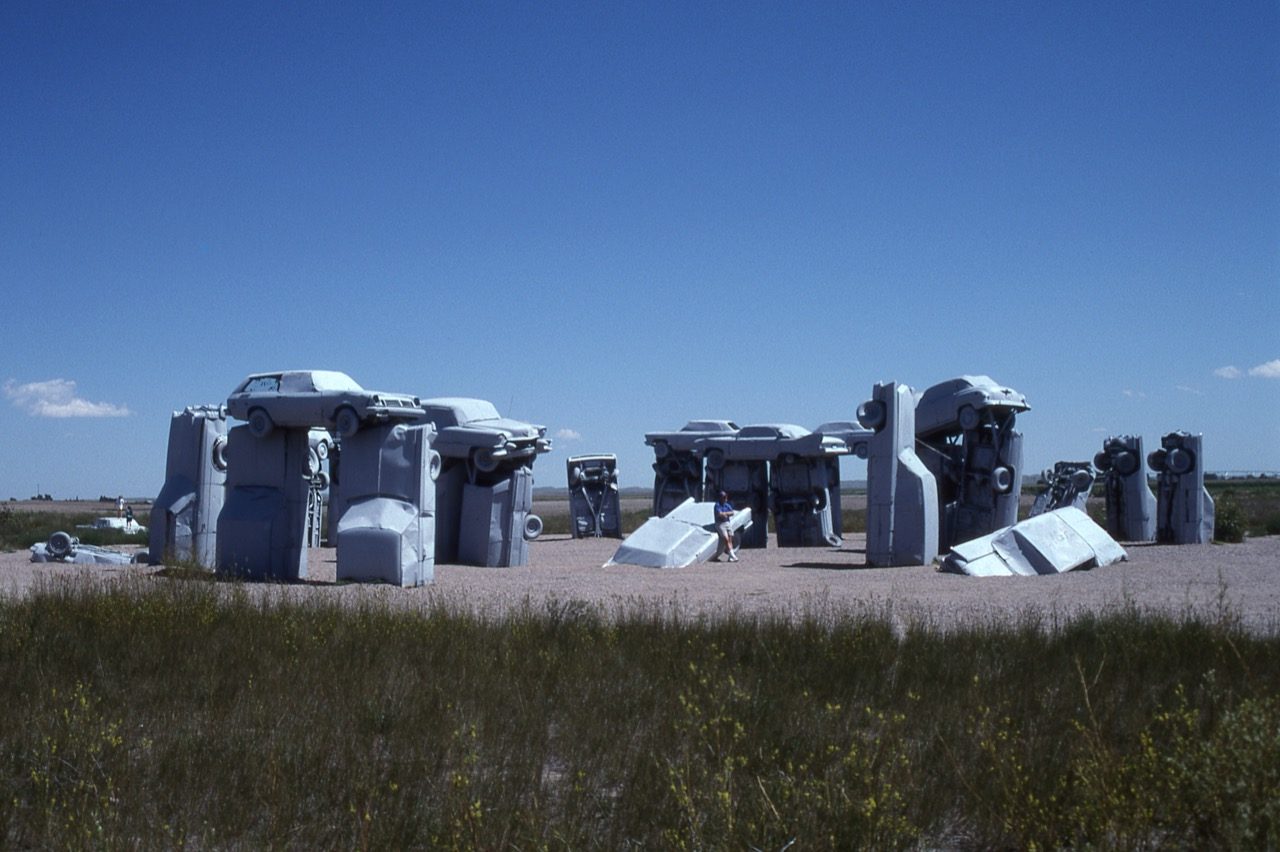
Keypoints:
pixel 464 409
pixel 307 381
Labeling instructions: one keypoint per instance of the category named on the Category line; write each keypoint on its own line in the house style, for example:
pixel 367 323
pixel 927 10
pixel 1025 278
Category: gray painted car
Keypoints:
pixel 683 441
pixel 472 429
pixel 768 441
pixel 303 398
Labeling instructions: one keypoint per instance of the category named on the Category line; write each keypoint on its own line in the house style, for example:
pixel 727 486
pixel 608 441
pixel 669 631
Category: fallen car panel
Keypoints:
pixel 684 536
pixel 1052 543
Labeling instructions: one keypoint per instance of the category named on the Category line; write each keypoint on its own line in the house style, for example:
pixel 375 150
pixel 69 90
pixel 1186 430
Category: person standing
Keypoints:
pixel 724 514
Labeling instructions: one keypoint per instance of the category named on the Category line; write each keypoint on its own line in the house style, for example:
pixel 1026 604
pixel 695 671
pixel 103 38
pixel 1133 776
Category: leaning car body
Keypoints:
pixel 472 428
pixel 958 404
pixel 301 398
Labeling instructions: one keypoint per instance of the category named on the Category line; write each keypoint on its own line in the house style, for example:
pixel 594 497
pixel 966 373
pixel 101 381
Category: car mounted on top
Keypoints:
pixel 297 399
pixel 472 429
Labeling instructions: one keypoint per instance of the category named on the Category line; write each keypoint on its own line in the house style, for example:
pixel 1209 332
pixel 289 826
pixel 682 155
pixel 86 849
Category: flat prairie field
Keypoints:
pixel 1236 582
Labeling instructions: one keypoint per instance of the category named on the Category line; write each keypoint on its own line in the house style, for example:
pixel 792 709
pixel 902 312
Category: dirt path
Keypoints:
pixel 1213 581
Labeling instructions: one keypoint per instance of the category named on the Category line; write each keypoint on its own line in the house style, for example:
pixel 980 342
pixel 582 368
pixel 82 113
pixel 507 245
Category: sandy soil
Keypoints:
pixel 1237 580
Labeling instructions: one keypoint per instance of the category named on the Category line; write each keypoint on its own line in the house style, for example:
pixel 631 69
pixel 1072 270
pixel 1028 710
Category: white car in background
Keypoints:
pixel 298 399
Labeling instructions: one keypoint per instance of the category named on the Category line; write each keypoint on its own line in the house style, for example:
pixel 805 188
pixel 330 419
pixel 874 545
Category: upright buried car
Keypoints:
pixel 304 398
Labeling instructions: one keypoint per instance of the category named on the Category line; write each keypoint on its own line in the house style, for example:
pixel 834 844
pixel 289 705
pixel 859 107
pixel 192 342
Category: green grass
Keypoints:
pixel 167 714
pixel 20 529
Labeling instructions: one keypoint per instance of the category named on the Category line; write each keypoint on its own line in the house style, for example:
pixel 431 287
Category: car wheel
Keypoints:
pixel 661 450
pixel 575 476
pixel 871 414
pixel 313 463
pixel 346 421
pixel 433 466
pixel 532 527
pixel 1002 480
pixel 1155 460
pixel 60 545
pixel 1180 461
pixel 1125 463
pixel 484 460
pixel 219 453
pixel 715 459
pixel 260 425
pixel 320 481
pixel 969 418
pixel 1102 461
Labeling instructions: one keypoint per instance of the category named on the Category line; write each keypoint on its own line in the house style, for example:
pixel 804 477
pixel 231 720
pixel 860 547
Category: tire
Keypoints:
pixel 346 422
pixel 1002 480
pixel 532 527
pixel 1155 460
pixel 661 450
pixel 322 450
pixel 789 458
pixel 715 459
pixel 1180 461
pixel 1081 479
pixel 313 463
pixel 1125 462
pixel 433 466
pixel 218 453
pixel 1102 461
pixel 260 424
pixel 575 476
pixel 860 449
pixel 320 480
pixel 60 545
pixel 484 460
pixel 871 415
pixel 969 418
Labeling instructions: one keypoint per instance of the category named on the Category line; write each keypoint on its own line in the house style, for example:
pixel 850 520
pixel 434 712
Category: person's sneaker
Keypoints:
pixel 717 558
pixel 733 557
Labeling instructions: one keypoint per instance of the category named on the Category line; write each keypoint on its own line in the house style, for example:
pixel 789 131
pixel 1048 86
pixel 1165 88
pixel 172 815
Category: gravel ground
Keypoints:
pixel 1240 581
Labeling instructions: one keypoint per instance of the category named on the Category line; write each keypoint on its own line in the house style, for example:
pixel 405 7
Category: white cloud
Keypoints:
pixel 57 398
pixel 1133 394
pixel 1269 370
pixel 1228 372
pixel 568 435
pixel 1188 389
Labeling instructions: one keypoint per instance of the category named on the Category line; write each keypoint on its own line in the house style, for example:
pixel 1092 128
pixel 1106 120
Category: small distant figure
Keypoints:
pixel 120 506
pixel 724 514
pixel 128 517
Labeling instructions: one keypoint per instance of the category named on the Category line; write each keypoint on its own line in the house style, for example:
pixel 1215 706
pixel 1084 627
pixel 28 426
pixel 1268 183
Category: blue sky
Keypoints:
pixel 611 218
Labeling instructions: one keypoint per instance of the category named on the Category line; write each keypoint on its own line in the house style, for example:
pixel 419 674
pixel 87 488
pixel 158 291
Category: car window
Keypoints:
pixel 332 380
pixel 262 384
